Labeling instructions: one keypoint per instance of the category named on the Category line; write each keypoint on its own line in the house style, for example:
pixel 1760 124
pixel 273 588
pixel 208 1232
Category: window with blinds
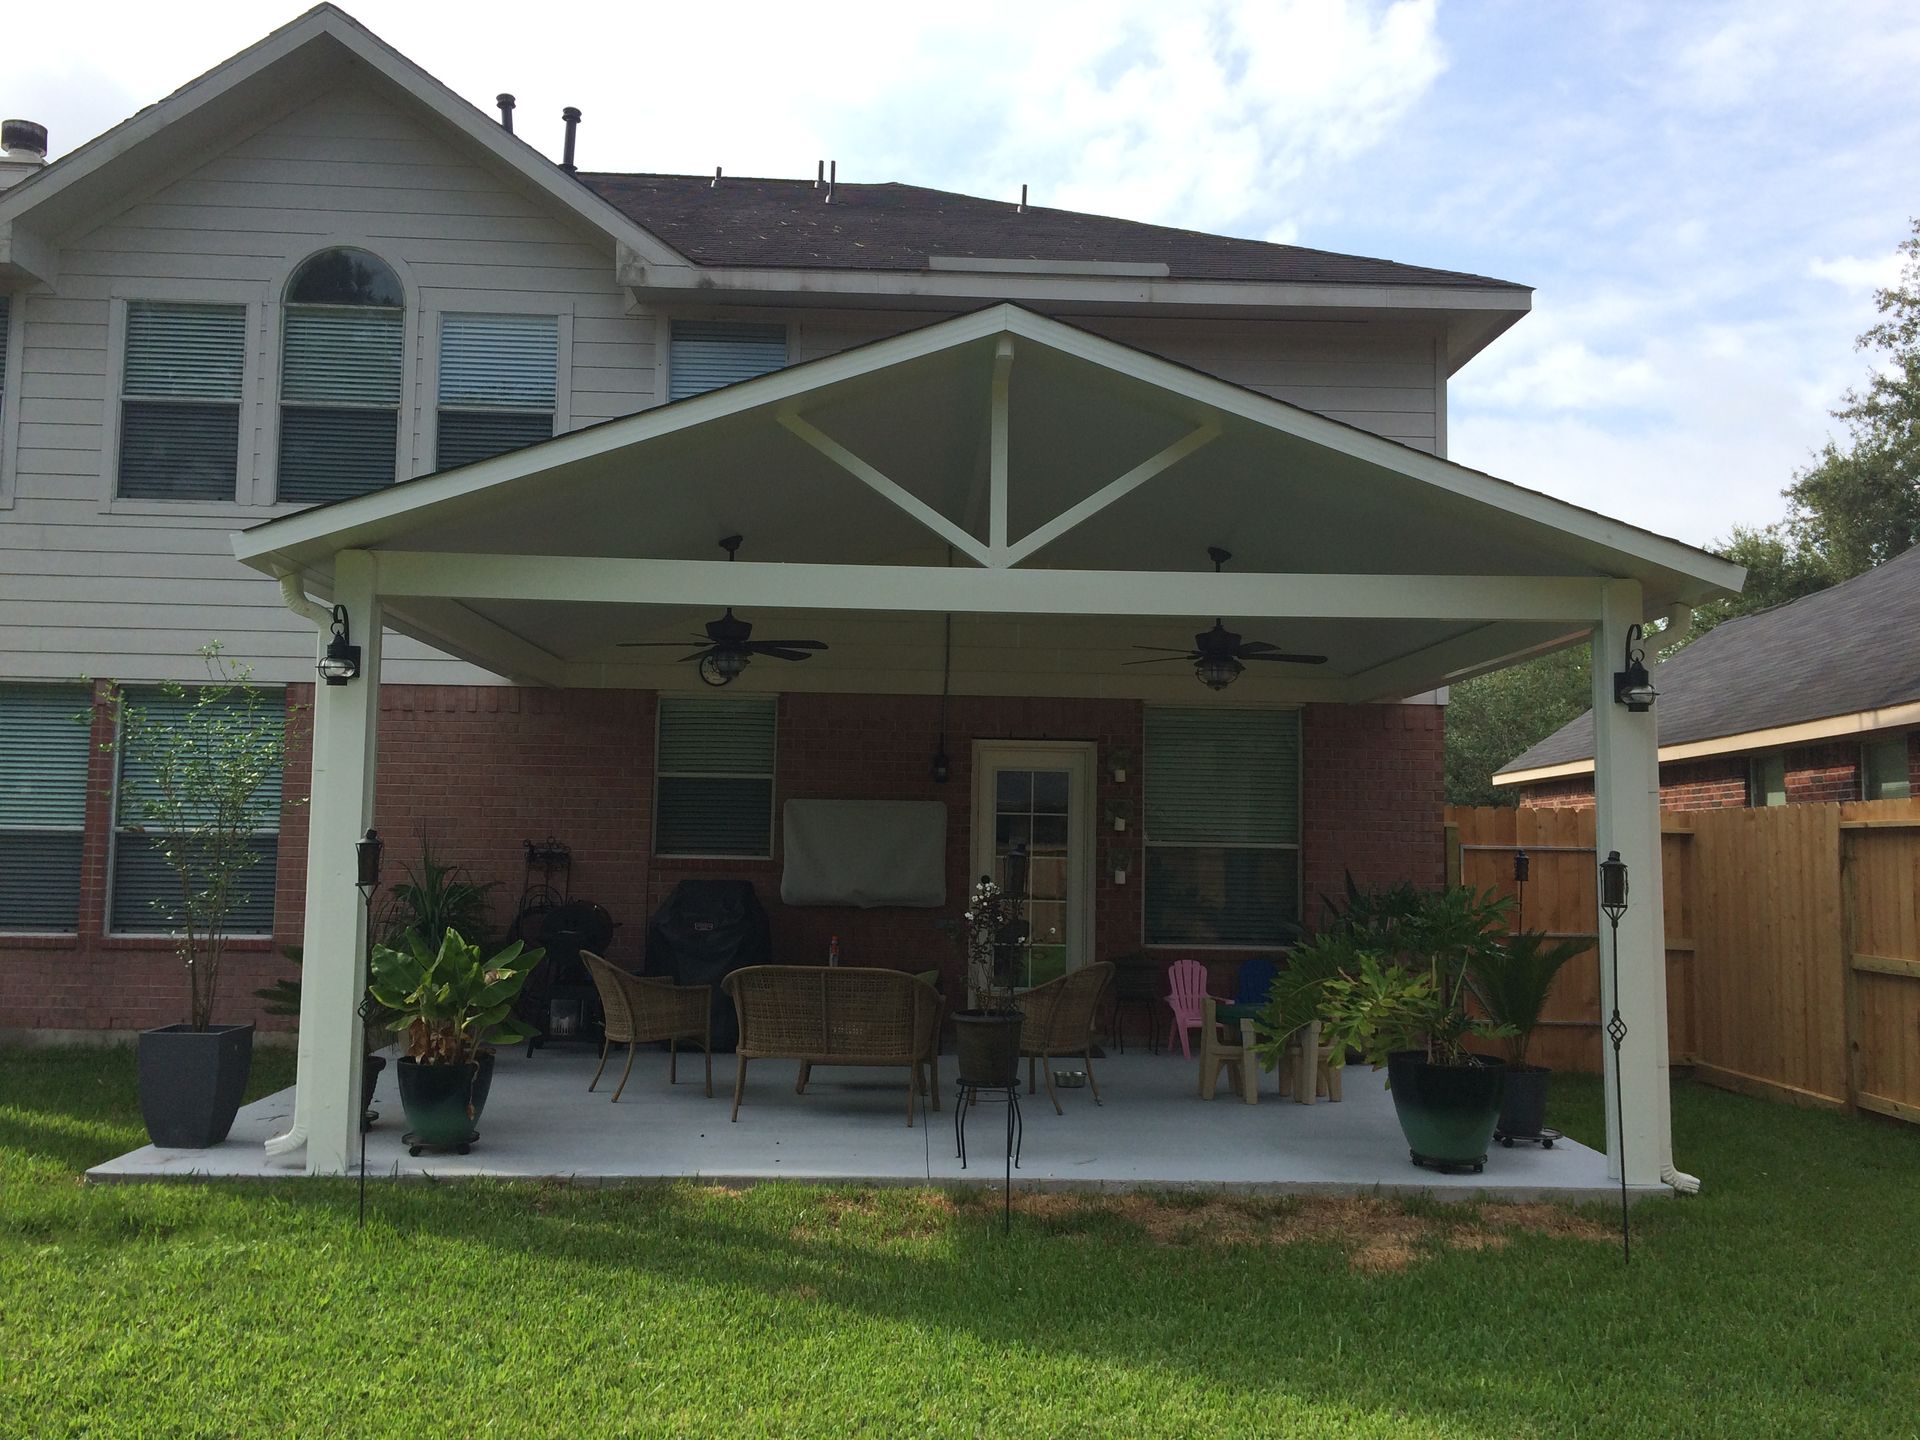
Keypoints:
pixel 340 378
pixel 713 777
pixel 145 891
pixel 1222 827
pixel 498 378
pixel 180 395
pixel 706 354
pixel 43 805
pixel 1884 773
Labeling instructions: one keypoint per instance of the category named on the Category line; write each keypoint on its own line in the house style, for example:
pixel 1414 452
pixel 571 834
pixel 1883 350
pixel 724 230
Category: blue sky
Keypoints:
pixel 1703 194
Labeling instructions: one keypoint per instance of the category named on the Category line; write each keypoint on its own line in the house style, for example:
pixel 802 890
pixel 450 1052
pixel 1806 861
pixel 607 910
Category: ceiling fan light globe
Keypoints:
pixel 1217 672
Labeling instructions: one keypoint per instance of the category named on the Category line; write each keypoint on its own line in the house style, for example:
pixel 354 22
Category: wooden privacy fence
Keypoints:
pixel 1793 944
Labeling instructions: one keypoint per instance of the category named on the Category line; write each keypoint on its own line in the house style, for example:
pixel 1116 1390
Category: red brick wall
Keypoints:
pixel 1814 773
pixel 1823 772
pixel 479 770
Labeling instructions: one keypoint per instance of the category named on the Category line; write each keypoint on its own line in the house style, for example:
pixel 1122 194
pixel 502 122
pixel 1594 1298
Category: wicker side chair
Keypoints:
pixel 641 1010
pixel 1060 1021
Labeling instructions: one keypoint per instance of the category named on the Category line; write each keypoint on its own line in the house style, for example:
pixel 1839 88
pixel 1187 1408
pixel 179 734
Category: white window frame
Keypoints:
pixel 772 777
pixel 1299 847
pixel 115 831
pixel 663 344
pixel 559 307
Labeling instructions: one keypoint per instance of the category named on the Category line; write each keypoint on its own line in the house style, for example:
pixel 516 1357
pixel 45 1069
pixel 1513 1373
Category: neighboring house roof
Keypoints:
pixel 789 223
pixel 1770 679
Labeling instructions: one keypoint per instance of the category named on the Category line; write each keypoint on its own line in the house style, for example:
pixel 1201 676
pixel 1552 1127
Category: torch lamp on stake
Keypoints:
pixel 366 854
pixel 1613 900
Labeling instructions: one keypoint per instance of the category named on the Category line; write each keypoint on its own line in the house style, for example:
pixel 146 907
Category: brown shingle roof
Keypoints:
pixel 786 224
pixel 1840 652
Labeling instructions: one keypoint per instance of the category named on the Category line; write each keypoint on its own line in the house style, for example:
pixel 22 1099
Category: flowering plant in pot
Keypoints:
pixel 1511 981
pixel 449 1004
pixel 199 782
pixel 988 1034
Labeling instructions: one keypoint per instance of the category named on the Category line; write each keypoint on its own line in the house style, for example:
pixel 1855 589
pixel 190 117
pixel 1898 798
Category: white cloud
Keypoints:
pixel 1858 272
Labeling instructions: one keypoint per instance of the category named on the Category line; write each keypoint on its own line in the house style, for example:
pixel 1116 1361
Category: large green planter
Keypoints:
pixel 1447 1112
pixel 443 1102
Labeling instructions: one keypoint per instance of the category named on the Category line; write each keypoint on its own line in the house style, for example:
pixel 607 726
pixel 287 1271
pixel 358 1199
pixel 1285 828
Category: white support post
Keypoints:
pixel 340 808
pixel 997 502
pixel 1626 788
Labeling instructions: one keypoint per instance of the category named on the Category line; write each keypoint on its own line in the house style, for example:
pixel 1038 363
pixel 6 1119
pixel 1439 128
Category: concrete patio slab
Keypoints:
pixel 1152 1132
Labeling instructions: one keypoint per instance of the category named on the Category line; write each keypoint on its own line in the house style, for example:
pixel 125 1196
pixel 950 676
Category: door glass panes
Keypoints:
pixel 1031 819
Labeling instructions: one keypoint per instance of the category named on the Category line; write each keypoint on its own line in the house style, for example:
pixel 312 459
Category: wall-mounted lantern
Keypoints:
pixel 1632 685
pixel 341 663
pixel 1119 758
pixel 1118 813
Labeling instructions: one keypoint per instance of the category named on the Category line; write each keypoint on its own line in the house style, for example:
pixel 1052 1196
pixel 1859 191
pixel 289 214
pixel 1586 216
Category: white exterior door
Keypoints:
pixel 1038 795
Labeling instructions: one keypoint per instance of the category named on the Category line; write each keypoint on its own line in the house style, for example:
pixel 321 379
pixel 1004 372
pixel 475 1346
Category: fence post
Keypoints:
pixel 1850 984
pixel 1452 829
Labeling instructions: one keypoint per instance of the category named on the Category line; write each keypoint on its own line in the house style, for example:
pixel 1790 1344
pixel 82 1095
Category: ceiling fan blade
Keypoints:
pixel 1165 649
pixel 780 652
pixel 789 644
pixel 1159 659
pixel 699 654
pixel 1284 658
pixel 636 644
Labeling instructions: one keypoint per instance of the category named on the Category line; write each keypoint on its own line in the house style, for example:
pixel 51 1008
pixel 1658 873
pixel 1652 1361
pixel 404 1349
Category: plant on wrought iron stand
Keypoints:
pixel 1613 900
pixel 200 771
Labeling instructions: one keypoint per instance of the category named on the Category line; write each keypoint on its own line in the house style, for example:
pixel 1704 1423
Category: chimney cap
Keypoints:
pixel 23 135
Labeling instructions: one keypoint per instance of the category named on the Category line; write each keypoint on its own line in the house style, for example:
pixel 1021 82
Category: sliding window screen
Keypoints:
pixel 1222 827
pixel 180 395
pixel 713 780
pixel 146 889
pixel 498 379
pixel 44 747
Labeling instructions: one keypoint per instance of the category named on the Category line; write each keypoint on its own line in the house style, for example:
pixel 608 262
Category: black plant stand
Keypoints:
pixel 1544 1139
pixel 965 1093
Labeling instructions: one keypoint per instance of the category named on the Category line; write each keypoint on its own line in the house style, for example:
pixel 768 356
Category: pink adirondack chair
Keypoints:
pixel 1186 989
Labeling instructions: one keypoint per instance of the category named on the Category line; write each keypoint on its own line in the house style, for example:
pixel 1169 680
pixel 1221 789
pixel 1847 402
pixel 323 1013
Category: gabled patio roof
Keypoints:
pixel 1053 490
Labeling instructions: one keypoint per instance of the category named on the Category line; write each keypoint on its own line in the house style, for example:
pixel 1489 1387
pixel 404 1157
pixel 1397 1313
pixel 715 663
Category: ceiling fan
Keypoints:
pixel 729 643
pixel 1217 653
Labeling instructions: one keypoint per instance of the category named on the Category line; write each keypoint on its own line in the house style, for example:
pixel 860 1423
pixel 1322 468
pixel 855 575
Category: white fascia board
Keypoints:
pixel 666 283
pixel 327 22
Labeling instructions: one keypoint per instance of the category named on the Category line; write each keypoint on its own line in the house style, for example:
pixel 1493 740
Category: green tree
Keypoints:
pixel 1781 568
pixel 1492 718
pixel 1858 504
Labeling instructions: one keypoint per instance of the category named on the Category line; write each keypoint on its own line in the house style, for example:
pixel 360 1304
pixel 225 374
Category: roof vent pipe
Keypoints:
pixel 833 178
pixel 1021 209
pixel 505 102
pixel 819 174
pixel 715 185
pixel 23 150
pixel 572 116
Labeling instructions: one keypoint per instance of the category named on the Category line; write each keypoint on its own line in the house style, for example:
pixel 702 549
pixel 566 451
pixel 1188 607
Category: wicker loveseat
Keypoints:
pixel 838 1015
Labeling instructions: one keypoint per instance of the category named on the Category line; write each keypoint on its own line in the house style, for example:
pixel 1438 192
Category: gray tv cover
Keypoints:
pixel 864 852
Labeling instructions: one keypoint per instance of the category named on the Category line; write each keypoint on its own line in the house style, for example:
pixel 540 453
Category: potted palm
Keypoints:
pixel 1511 981
pixel 199 781
pixel 449 1003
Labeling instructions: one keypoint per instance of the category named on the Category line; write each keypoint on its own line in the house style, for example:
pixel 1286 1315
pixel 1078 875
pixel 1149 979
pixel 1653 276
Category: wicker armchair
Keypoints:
pixel 641 1011
pixel 1060 1020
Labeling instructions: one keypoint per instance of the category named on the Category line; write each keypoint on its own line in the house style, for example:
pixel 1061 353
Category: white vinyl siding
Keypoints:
pixel 180 391
pixel 6 318
pixel 707 354
pixel 498 383
pixel 340 388
pixel 713 777
pixel 44 746
pixel 1884 774
pixel 145 889
pixel 1222 826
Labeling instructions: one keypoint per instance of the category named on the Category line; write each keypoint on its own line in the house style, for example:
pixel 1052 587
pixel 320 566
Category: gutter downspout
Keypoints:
pixel 293 595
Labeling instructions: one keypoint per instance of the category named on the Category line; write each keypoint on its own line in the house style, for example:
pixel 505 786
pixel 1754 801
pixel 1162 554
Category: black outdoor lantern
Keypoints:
pixel 1522 867
pixel 942 767
pixel 366 854
pixel 1613 901
pixel 1632 685
pixel 342 660
pixel 722 666
pixel 1216 672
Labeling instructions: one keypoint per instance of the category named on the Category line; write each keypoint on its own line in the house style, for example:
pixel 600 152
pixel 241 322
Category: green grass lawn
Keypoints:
pixel 1784 1300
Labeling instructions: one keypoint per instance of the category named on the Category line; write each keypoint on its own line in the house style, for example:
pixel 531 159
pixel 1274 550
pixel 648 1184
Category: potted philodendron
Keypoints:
pixel 1388 981
pixel 987 1035
pixel 450 1004
pixel 199 779
pixel 1511 980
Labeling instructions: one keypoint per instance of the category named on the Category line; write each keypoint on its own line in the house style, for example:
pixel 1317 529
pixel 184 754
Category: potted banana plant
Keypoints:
pixel 449 1004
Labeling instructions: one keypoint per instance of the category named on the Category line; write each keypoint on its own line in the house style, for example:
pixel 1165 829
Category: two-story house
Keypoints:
pixel 314 339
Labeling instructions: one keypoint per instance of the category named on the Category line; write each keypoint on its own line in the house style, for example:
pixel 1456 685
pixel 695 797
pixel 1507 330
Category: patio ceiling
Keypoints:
pixel 1053 490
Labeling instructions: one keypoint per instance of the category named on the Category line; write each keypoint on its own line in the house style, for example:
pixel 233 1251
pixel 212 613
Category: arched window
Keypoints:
pixel 340 377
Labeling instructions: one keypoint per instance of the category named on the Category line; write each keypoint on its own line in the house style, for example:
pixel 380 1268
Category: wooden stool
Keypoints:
pixel 1242 1065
